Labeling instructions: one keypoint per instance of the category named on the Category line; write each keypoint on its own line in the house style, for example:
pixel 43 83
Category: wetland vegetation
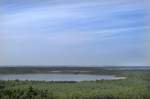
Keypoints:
pixel 135 86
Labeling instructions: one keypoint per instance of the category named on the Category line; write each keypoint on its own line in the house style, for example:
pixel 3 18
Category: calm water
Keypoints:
pixel 57 77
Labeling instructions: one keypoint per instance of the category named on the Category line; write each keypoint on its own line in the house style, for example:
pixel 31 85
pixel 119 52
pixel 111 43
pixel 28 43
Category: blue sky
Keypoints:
pixel 73 32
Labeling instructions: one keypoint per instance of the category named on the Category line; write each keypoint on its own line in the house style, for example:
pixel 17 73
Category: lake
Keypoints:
pixel 58 77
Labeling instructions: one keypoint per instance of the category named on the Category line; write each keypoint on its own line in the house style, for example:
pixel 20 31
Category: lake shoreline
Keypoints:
pixel 58 77
pixel 135 86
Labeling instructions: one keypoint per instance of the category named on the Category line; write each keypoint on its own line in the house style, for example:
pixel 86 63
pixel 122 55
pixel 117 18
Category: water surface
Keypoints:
pixel 58 77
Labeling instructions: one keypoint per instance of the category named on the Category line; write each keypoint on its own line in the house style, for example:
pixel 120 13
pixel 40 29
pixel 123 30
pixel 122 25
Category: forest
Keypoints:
pixel 135 86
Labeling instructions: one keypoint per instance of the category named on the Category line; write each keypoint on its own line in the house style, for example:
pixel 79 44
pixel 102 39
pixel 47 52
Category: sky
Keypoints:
pixel 74 32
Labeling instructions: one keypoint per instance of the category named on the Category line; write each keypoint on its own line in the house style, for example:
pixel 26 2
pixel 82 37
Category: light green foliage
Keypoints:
pixel 136 86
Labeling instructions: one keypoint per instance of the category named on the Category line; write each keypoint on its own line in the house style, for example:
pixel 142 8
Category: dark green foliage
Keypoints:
pixel 136 86
pixel 2 86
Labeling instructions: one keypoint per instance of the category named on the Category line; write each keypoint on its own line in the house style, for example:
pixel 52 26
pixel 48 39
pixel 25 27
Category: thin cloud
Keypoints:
pixel 80 29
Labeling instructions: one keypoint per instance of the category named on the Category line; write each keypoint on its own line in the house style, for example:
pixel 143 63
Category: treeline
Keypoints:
pixel 61 70
pixel 29 93
pixel 136 86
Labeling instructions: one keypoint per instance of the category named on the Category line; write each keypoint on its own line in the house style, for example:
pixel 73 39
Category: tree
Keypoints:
pixel 31 92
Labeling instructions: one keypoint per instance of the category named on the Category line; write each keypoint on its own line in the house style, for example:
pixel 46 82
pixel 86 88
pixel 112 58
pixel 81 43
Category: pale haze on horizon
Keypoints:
pixel 74 32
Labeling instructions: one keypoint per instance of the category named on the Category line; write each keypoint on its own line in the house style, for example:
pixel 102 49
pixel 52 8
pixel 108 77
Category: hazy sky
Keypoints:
pixel 73 32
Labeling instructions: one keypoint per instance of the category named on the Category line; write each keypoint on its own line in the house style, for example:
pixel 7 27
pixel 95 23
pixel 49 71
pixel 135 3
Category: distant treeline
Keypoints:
pixel 74 70
pixel 136 86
